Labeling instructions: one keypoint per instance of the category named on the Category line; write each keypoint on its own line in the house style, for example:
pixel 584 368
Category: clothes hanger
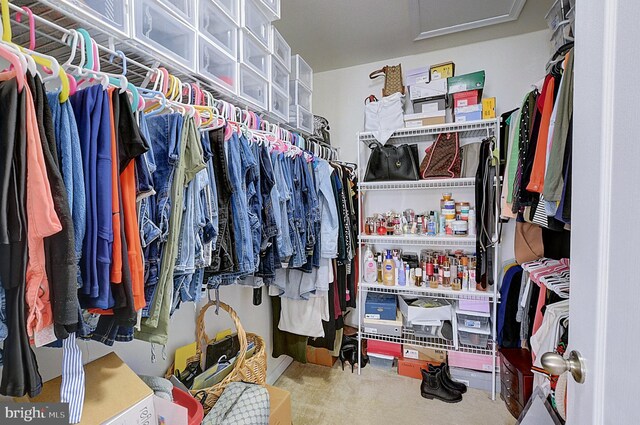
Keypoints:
pixel 136 102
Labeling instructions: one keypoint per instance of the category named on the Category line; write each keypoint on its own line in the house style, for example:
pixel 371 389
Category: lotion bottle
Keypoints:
pixel 370 270
pixel 388 270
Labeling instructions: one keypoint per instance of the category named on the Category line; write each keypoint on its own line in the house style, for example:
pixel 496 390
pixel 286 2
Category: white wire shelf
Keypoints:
pixel 428 292
pixel 468 132
pixel 408 337
pixel 419 184
pixel 421 240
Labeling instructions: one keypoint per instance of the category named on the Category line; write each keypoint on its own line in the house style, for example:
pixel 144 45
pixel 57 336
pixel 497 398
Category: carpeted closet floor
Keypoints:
pixel 329 396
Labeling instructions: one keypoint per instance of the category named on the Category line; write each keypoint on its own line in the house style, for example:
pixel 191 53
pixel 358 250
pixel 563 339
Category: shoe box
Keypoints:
pixel 474 379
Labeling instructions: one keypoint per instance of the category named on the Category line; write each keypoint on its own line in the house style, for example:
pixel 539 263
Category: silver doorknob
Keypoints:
pixel 555 364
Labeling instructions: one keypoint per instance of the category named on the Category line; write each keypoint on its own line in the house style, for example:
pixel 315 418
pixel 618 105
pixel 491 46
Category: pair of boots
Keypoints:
pixel 437 383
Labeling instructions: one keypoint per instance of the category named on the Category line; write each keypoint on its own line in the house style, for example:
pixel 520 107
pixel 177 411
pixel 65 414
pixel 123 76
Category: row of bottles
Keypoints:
pixel 455 271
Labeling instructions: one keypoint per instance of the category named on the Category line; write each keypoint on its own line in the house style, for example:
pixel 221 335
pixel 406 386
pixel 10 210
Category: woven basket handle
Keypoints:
pixel 202 338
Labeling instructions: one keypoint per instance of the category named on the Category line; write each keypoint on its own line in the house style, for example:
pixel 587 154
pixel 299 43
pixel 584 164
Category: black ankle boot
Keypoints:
pixel 433 387
pixel 447 380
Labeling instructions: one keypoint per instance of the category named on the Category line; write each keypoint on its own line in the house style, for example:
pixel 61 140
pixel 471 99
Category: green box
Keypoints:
pixel 466 82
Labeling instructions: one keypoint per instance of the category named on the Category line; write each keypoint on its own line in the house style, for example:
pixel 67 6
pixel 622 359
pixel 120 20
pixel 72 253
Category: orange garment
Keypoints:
pixel 536 182
pixel 132 233
pixel 42 222
pixel 116 256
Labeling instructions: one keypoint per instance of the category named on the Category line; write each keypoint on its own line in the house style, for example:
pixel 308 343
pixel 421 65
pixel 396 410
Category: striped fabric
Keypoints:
pixel 72 387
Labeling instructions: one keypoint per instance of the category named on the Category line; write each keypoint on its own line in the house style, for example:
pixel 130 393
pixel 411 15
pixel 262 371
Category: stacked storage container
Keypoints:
pixel 280 75
pixel 300 91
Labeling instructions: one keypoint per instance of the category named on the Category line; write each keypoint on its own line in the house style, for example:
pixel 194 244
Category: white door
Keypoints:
pixel 605 287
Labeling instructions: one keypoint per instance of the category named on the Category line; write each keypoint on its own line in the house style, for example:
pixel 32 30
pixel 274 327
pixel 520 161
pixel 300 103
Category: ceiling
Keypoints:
pixel 332 34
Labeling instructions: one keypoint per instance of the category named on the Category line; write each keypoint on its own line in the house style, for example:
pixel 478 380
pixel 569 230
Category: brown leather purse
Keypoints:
pixel 443 159
pixel 392 79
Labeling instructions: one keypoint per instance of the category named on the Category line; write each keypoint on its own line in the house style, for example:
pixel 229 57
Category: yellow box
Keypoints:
pixel 488 108
pixel 442 70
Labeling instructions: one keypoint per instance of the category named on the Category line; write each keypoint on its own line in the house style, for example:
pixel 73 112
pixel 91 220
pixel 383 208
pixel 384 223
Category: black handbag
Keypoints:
pixel 390 162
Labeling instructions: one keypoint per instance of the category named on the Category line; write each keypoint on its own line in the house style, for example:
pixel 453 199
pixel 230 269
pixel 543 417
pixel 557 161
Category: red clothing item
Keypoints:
pixel 536 182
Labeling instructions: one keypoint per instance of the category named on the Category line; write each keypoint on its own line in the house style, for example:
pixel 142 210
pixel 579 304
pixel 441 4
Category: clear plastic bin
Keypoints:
pixel 301 119
pixel 300 95
pixel 472 321
pixel 216 65
pixel 279 103
pixel 272 8
pixel 301 71
pixel 474 337
pixel 113 16
pixel 186 9
pixel 218 27
pixel 254 55
pixel 425 331
pixel 156 27
pixel 230 7
pixel 256 21
pixel 380 361
pixel 253 88
pixel 280 49
pixel 280 77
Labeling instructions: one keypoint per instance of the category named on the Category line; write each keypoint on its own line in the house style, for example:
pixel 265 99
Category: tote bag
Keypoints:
pixel 383 117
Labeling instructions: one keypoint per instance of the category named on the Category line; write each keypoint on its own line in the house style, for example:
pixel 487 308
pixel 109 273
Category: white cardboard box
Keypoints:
pixel 435 88
pixel 417 315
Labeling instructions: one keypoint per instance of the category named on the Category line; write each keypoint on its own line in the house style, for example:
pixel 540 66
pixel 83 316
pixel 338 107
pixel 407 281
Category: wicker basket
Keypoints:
pixel 253 369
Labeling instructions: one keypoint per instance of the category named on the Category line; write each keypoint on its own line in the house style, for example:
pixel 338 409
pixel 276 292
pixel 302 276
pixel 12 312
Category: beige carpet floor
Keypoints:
pixel 328 396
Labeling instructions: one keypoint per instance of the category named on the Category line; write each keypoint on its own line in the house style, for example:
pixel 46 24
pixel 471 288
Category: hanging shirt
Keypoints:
pixel 536 182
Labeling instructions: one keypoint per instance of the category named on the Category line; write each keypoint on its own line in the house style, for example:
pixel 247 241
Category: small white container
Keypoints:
pixel 272 8
pixel 186 9
pixel 218 27
pixel 301 119
pixel 301 71
pixel 300 95
pixel 256 21
pixel 254 55
pixel 280 76
pixel 253 88
pixel 280 49
pixel 279 103
pixel 217 66
pixel 231 8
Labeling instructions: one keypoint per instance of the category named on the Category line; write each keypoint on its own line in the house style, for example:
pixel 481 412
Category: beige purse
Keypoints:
pixel 392 79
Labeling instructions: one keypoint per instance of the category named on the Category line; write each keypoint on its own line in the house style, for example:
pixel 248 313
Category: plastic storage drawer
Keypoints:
pixel 559 37
pixel 230 7
pixel 279 76
pixel 254 55
pixel 218 66
pixel 113 16
pixel 280 49
pixel 186 9
pixel 253 88
pixel 300 95
pixel 218 27
pixel 301 119
pixel 301 71
pixel 279 103
pixel 256 21
pixel 475 379
pixel 472 319
pixel 272 8
pixel 474 337
pixel 156 27
pixel 380 361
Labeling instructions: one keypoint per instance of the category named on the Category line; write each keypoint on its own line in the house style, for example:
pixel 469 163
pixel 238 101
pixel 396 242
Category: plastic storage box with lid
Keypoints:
pixel 156 27
pixel 215 25
pixel 271 8
pixel 482 362
pixel 254 55
pixel 300 95
pixel 230 7
pixel 301 71
pixel 217 66
pixel 381 361
pixel 472 319
pixel 301 119
pixel 561 35
pixel 185 9
pixel 433 309
pixel 474 378
pixel 109 15
pixel 380 306
pixel 280 49
pixel 383 327
pixel 473 336
pixel 481 306
pixel 256 21
pixel 279 76
pixel 279 103
pixel 253 88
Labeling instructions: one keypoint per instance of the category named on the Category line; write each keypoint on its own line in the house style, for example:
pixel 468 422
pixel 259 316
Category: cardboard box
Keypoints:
pixel 481 362
pixel 466 82
pixel 442 71
pixel 385 348
pixel 320 356
pixel 475 379
pixel 417 75
pixel 488 108
pixel 419 314
pixel 424 119
pixel 425 90
pixel 411 368
pixel 468 113
pixel 384 327
pixel 380 306
pixel 466 98
pixel 280 406
pixel 416 352
pixel 114 395
pixel 430 106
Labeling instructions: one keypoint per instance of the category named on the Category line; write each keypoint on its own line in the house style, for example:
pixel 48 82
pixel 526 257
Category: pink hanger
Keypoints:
pixel 32 26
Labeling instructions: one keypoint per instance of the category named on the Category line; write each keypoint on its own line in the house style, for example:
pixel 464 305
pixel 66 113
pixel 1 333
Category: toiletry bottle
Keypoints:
pixel 472 275
pixel 370 270
pixel 418 276
pixel 388 270
pixel 402 279
pixel 407 274
pixel 472 222
pixel 379 266
pixel 446 275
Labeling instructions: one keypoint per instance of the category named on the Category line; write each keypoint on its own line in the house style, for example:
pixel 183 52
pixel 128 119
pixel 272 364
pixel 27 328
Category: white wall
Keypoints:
pixel 511 64
pixel 137 354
